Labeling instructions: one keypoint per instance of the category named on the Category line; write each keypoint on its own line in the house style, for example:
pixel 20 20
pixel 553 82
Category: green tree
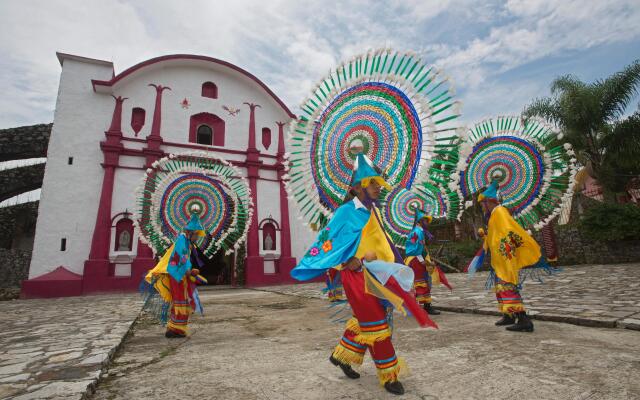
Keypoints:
pixel 592 118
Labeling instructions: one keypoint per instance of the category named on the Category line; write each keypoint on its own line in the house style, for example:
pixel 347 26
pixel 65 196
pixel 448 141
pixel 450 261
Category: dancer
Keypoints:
pixel 355 231
pixel 426 271
pixel 172 282
pixel 512 250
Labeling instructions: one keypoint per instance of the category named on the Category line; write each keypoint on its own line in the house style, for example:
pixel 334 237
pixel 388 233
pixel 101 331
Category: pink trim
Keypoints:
pixel 252 127
pixel 157 112
pixel 156 60
pixel 285 235
pixel 58 283
pixel 116 119
pixel 101 230
pixel 196 146
pixel 125 213
pixel 214 122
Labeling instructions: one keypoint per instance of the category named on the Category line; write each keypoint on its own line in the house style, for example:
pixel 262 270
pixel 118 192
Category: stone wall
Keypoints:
pixel 24 142
pixel 15 181
pixel 576 249
pixel 13 270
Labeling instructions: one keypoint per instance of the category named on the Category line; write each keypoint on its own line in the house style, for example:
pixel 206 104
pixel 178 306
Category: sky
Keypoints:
pixel 500 55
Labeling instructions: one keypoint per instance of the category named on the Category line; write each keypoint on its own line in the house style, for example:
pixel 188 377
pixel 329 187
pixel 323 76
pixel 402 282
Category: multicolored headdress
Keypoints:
pixel 195 225
pixel 385 104
pixel 533 170
pixel 490 192
pixel 197 192
pixel 420 214
pixel 364 172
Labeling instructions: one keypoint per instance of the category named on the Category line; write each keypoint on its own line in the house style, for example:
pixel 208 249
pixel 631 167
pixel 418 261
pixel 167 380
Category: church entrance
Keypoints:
pixel 218 269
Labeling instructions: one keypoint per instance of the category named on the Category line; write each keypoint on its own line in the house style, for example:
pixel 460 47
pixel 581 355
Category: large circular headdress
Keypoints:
pixel 386 104
pixel 179 185
pixel 533 168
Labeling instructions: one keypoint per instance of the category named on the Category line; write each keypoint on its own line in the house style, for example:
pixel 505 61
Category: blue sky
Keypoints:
pixel 499 54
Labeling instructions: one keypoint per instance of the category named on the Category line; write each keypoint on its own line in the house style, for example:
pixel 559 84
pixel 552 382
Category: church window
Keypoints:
pixel 209 89
pixel 206 128
pixel 63 244
pixel 70 161
pixel 204 135
pixel 266 138
pixel 137 119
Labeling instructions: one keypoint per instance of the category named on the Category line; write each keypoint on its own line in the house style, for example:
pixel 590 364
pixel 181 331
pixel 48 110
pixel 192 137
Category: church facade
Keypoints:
pixel 108 129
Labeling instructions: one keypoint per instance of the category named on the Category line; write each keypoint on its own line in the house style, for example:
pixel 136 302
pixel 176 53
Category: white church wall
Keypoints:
pixel 70 193
pixel 185 82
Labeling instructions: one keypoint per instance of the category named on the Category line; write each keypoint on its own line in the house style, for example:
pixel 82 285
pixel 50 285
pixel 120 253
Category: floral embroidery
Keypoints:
pixel 314 251
pixel 414 238
pixel 327 246
pixel 509 244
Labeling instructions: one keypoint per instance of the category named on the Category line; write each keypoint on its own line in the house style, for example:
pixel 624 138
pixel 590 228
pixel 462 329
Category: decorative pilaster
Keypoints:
pixel 96 268
pixel 285 232
pixel 154 140
pixel 286 263
pixel 252 127
pixel 254 263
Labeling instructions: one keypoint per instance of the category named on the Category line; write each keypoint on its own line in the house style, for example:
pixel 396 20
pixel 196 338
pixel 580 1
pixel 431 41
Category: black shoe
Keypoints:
pixel 430 310
pixel 524 323
pixel 173 335
pixel 506 320
pixel 346 368
pixel 394 387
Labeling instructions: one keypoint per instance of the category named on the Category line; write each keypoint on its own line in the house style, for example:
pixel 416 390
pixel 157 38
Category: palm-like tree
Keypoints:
pixel 592 118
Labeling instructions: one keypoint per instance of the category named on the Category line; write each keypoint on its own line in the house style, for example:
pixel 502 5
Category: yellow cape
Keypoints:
pixel 511 247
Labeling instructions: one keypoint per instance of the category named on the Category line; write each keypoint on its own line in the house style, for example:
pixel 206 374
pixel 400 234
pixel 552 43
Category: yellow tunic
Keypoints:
pixel 511 247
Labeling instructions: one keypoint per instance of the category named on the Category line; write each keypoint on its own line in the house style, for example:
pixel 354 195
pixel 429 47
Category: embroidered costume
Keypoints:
pixel 171 292
pixel 514 256
pixel 426 272
pixel 354 231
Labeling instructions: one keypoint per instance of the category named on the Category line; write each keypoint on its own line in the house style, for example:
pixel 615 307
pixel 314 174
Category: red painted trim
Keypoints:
pixel 126 214
pixel 157 111
pixel 130 139
pixel 156 60
pixel 267 220
pixel 195 146
pixel 214 122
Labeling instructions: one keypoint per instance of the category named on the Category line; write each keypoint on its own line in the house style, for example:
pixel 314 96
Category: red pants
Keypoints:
pixel 181 305
pixel 508 296
pixel 368 329
pixel 421 281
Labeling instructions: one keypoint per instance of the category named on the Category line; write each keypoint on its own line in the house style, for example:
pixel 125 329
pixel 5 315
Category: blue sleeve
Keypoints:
pixel 335 244
pixel 414 245
pixel 179 263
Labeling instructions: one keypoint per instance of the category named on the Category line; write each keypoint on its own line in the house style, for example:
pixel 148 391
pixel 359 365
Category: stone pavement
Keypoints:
pixel 56 348
pixel 257 345
pixel 590 295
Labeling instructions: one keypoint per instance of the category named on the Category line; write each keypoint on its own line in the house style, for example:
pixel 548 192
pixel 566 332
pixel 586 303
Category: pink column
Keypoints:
pixel 96 268
pixel 286 263
pixel 254 266
pixel 154 140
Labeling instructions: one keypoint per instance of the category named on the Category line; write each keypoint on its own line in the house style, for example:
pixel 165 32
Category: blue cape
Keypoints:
pixel 414 245
pixel 335 244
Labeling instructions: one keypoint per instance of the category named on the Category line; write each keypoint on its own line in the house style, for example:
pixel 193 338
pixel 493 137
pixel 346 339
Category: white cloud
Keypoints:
pixel 291 45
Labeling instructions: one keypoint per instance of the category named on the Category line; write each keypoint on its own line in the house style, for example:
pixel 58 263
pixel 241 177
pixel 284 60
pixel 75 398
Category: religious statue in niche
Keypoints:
pixel 268 243
pixel 124 241
pixel 232 111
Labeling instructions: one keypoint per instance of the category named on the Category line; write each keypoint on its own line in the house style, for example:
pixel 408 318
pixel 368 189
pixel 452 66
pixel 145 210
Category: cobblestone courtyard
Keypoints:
pixel 261 344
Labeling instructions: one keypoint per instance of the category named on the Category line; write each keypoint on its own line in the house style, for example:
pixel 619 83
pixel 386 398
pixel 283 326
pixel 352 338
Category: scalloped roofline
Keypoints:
pixel 106 85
